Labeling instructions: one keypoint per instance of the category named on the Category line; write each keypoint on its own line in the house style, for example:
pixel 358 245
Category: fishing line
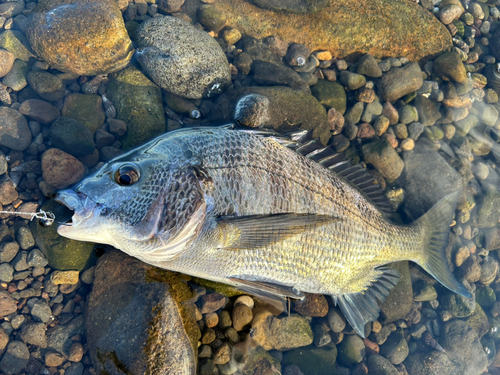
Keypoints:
pixel 47 218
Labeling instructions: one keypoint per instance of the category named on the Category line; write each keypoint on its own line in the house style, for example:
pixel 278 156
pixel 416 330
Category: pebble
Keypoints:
pixel 208 336
pixel 450 13
pixel 223 354
pixel 34 334
pixel 75 352
pixel 14 130
pixel 384 158
pixel 72 136
pixel 336 121
pixel 39 110
pixel 40 311
pixel 407 144
pixel 61 169
pixel 212 302
pixel 313 305
pixel 64 277
pixel 449 66
pixel 225 320
pixel 87 276
pixel 211 319
pixel 367 65
pixel 211 17
pixel 49 87
pixel 6 61
pixel 401 131
pixel 399 82
pixel 391 113
pixel 353 81
pixel 15 358
pixel 354 113
pixel 16 77
pixel 245 300
pixel 241 316
pixel 336 320
pixel 8 192
pixel 365 95
pixel 407 114
pixel 36 258
pixel 75 369
pixel 351 350
pixel 371 111
pixel 395 349
pixel 6 272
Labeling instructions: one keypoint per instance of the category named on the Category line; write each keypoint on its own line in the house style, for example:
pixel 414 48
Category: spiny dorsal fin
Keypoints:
pixel 311 148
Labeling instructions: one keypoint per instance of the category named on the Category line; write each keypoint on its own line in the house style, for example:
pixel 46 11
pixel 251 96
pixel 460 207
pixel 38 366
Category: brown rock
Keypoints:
pixel 85 37
pixel 76 352
pixel 391 113
pixel 8 192
pixel 366 131
pixel 54 359
pixel 39 110
pixel 61 169
pixel 212 302
pixel 242 315
pixel 379 27
pixel 7 304
pixel 398 82
pixel 313 305
pixel 6 62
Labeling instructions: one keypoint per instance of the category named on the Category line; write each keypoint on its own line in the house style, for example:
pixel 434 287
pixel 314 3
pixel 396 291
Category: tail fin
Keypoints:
pixel 437 227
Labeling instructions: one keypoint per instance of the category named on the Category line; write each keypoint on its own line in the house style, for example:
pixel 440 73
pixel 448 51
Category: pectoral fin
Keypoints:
pixel 266 288
pixel 259 231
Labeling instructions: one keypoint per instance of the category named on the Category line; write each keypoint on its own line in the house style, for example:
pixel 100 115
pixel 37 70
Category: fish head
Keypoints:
pixel 142 206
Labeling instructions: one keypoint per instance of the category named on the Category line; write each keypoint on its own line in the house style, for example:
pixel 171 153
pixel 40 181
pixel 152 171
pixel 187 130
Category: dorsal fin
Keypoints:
pixel 303 143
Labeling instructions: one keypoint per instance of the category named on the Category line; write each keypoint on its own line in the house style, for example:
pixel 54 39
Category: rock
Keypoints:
pixel 242 316
pixel 16 78
pixel 428 114
pixel 54 359
pixel 489 211
pixel 352 80
pixel 11 9
pixel 336 320
pixel 212 302
pixel 210 17
pixel 68 35
pixel 34 334
pixel 8 192
pixel 489 114
pixel 16 43
pixel 459 306
pixel 351 350
pixel 371 111
pixel 48 86
pixel 75 369
pixel 76 352
pixel 136 314
pixel 61 252
pixel 478 321
pixel 428 179
pixel 491 239
pixel 6 272
pixel 61 169
pixel 296 7
pixel 181 58
pixel 410 35
pixel 86 109
pixel 59 337
pixel 252 110
pixel 330 94
pixel 14 131
pixel 64 277
pixel 378 365
pixel 288 109
pixel 384 158
pixel 260 362
pixel 395 349
pixel 462 345
pixel 424 292
pixel 281 334
pixel 313 305
pixel 39 110
pixel 117 127
pixel 139 104
pixel 40 311
pixel 400 81
pixel 399 301
pixel 312 360
pixel 265 73
pixel 367 65
pixel 6 62
pixel 354 113
pixel 433 363
pixel 72 136
pixel 15 358
pixel 8 250
pixel 407 114
pixel 449 66
pixel 7 304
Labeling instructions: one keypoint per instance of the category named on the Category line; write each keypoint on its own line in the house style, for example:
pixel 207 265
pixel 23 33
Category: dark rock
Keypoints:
pixel 330 94
pixel 378 365
pixel 384 158
pixel 400 81
pixel 351 80
pixel 354 113
pixel 61 169
pixel 210 17
pixel 449 66
pixel 367 65
pixel 134 317
pixel 265 73
pixel 395 349
pixel 15 358
pixel 311 360
pixel 34 334
pixel 72 136
pixel 48 86
pixel 39 110
pixel 14 131
pixel 433 363
pixel 351 350
pixel 313 305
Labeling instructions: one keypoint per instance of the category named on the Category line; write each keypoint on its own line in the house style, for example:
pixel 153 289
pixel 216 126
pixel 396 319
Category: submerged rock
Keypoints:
pixel 83 37
pixel 86 109
pixel 139 319
pixel 399 301
pixel 312 360
pixel 14 131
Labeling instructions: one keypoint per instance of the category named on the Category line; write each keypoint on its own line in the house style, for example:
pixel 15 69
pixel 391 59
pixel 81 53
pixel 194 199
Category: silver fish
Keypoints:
pixel 242 209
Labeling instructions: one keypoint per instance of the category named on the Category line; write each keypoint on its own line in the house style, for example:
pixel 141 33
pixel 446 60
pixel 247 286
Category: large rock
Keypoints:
pixel 72 137
pixel 15 359
pixel 181 58
pixel 398 82
pixel 16 43
pixel 297 6
pixel 14 131
pixel 449 66
pixel 433 363
pixel 139 103
pixel 85 37
pixel 138 317
pixel 379 27
pixel 39 110
pixel 312 360
pixel 287 109
pixel 85 108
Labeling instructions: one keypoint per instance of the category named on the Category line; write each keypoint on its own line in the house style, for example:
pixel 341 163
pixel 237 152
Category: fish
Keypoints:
pixel 274 216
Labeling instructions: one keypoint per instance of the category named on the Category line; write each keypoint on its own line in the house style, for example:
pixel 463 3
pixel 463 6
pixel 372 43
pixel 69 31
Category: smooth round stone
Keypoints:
pixel 211 17
pixel 378 365
pixel 48 86
pixel 399 82
pixel 181 58
pixel 39 110
pixel 72 137
pixel 367 65
pixel 87 109
pixel 407 114
pixel 351 350
pixel 352 80
pixel 14 131
pixel 83 37
pixel 6 62
pixel 16 77
pixel 6 272
pixel 395 349
pixel 61 169
pixel 16 358
pixel 336 320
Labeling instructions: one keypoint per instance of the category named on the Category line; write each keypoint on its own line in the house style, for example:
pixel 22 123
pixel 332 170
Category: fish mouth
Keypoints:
pixel 86 210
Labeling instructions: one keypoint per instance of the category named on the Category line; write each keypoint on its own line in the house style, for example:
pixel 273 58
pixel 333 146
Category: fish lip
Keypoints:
pixel 85 209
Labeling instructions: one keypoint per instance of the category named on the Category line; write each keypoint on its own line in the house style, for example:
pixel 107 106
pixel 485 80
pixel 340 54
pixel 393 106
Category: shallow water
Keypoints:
pixel 98 79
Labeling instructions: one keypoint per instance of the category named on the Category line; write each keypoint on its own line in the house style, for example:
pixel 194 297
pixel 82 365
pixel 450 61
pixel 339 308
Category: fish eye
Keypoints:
pixel 127 174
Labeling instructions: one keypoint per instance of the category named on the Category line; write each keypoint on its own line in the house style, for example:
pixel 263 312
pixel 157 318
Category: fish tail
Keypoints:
pixel 436 223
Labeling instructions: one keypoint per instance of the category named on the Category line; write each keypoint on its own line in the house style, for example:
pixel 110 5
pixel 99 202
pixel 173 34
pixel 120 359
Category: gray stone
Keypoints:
pixel 351 350
pixel 428 114
pixel 11 9
pixel 14 130
pixel 40 311
pixel 265 73
pixel 311 360
pixel 19 262
pixel 354 113
pixel 395 349
pixel 7 304
pixel 8 192
pixel 252 110
pixel 6 61
pixel 103 138
pixel 384 158
pixel 400 81
pixel 48 86
pixel 352 80
pixel 433 363
pixel 372 110
pixel 489 114
pixel 39 110
pixel 367 65
pixel 36 258
pixel 378 365
pixel 407 114
pixel 6 272
pixel 72 136
pixel 330 94
pixel 75 369
pixel 415 129
pixel 8 251
pixel 59 337
pixel 336 320
pixel 24 238
pixel 34 334
pixel 16 78
pixel 181 58
pixel 15 358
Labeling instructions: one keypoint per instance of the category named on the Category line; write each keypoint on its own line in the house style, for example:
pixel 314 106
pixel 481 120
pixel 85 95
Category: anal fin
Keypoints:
pixel 363 307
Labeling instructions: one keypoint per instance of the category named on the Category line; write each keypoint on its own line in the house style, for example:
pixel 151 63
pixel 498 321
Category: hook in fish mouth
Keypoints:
pixel 85 210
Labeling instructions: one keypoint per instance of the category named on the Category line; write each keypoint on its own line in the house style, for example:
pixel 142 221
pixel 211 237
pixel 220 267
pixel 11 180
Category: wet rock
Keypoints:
pixel 212 302
pixel 252 110
pixel 399 301
pixel 395 349
pixel 281 334
pixel 49 87
pixel 330 94
pixel 16 43
pixel 354 113
pixel 489 212
pixel 68 35
pixel 258 361
pixel 478 321
pixel 137 314
pixel 424 292
pixel 16 78
pixel 40 311
pixel 400 81
pixel 297 7
pixel 265 73
pixel 6 272
pixel 384 158
pixel 367 65
pixel 8 250
pixel 428 114
pixel 462 345
pixel 54 359
pixel 15 358
pixel 407 114
pixel 336 320
pixel 433 363
pixel 326 30
pixel 6 62
pixel 34 334
pixel 351 350
pixel 371 111
pixel 19 262
pixel 312 360
pixel 181 58
pixel 139 104
pixel 492 239
pixel 210 17
pixel 378 365
pixel 39 110
pixel 86 109
pixel 14 131
pixel 459 306
pixel 61 169
pixel 313 305
pixel 7 304
pixel 72 136
pixel 288 109
pixel 75 369
pixel 8 192
pixel 59 337
pixel 117 127
pixel 428 179
pixel 352 80
pixel 11 9
pixel 242 316
pixel 449 66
